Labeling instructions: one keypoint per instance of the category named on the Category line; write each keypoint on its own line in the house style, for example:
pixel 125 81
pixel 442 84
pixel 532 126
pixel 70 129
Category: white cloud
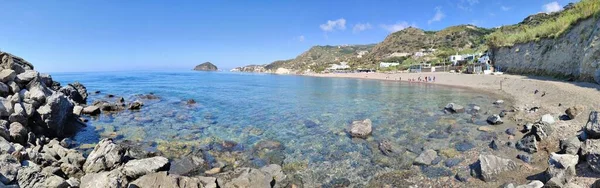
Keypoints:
pixel 397 27
pixel 361 27
pixel 552 7
pixel 331 25
pixel 466 4
pixel 439 15
pixel 301 38
pixel 505 8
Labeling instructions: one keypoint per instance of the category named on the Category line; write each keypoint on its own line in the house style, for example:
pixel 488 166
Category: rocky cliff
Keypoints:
pixel 207 66
pixel 574 55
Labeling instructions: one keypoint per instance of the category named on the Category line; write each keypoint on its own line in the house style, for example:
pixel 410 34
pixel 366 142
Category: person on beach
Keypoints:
pixel 433 78
pixel 426 78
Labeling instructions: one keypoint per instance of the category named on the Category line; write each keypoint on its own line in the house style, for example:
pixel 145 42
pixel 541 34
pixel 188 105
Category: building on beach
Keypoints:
pixel 386 64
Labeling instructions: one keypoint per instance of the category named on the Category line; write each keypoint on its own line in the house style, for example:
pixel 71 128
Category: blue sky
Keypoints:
pixel 113 35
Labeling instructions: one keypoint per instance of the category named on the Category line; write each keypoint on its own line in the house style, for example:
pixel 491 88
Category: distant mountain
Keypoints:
pixel 207 66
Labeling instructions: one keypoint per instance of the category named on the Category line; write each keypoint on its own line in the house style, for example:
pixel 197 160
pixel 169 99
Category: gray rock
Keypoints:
pixel 37 92
pixel 18 132
pixel 592 128
pixel 31 176
pixel 361 129
pixel 574 111
pixel 570 145
pixel 6 147
pixel 508 185
pixel 548 119
pixel 78 110
pixel 91 110
pixel 590 149
pixel 55 181
pixel 426 157
pixel 10 167
pixel 4 90
pixel 7 75
pixel 498 102
pixel 251 178
pixel 9 61
pixel 105 156
pixel 56 113
pixel 455 108
pixel 27 76
pixel 562 166
pixel 76 92
pixel 14 87
pixel 6 107
pixel 491 166
pixel 136 168
pixel 161 179
pixel 494 120
pixel 73 182
pixel 136 105
pixel 112 178
pixel 527 144
pixel 532 184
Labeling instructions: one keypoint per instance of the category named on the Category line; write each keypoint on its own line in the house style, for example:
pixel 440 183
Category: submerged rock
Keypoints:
pixel 490 166
pixel 455 108
pixel 494 120
pixel 426 157
pixel 361 129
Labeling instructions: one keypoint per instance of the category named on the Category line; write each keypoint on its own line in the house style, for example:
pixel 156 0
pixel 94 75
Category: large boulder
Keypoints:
pixel 10 167
pixel 7 75
pixel 6 147
pixel 4 90
pixel 570 145
pixel 591 151
pixel 9 61
pixel 161 179
pixel 574 111
pixel 105 156
pixel 592 127
pixel 56 114
pixel 26 77
pixel 361 129
pixel 207 66
pixel 76 91
pixel 562 167
pixel 454 108
pixel 114 178
pixel 136 168
pixel 37 91
pixel 18 132
pixel 91 110
pixel 491 166
pixel 252 178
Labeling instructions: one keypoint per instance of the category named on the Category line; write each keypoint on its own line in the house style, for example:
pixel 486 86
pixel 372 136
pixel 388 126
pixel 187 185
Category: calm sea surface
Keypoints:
pixel 307 115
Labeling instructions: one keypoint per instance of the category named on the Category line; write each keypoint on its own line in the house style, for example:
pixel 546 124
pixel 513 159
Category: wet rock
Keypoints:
pixel 436 172
pixel 190 102
pixel 491 166
pixel 91 110
pixel 570 146
pixel 592 127
pixel 438 135
pixel 525 158
pixel 453 162
pixel 361 129
pixel 454 108
pixel 136 105
pixel 10 166
pixel 562 167
pixel 388 148
pixel 527 144
pixel 310 124
pixel 511 131
pixel 426 157
pixel 493 145
pixel 105 156
pixel 337 182
pixel 533 184
pixel 140 167
pixel 464 146
pixel 494 120
pixel 590 149
pixel 392 179
pixel 148 97
pixel 104 179
pixel 574 111
pixel 548 119
pixel 56 113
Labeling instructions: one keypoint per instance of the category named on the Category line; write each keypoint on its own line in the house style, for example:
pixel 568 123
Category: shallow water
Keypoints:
pixel 308 115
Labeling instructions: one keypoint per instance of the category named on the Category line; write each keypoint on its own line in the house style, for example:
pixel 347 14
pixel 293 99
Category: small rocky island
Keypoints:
pixel 206 66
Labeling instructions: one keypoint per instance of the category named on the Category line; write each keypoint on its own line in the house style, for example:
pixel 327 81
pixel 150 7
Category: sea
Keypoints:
pixel 298 122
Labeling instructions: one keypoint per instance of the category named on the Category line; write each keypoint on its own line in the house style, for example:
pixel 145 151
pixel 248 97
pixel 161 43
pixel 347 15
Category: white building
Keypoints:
pixel 386 65
pixel 341 66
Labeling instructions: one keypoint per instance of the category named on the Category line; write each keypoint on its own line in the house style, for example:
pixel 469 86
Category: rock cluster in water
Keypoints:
pixel 37 116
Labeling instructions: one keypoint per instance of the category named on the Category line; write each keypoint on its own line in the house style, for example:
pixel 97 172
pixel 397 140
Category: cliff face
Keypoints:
pixel 574 55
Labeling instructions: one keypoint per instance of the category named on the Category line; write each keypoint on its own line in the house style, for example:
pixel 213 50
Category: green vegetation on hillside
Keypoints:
pixel 544 26
pixel 318 58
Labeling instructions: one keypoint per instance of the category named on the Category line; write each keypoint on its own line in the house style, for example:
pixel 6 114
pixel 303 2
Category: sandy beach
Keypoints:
pixel 553 97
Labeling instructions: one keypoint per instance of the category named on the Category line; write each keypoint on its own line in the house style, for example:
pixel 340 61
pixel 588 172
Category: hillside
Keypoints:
pixel 412 40
pixel 206 66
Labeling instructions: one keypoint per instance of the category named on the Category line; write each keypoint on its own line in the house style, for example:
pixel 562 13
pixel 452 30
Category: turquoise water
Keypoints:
pixel 307 115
